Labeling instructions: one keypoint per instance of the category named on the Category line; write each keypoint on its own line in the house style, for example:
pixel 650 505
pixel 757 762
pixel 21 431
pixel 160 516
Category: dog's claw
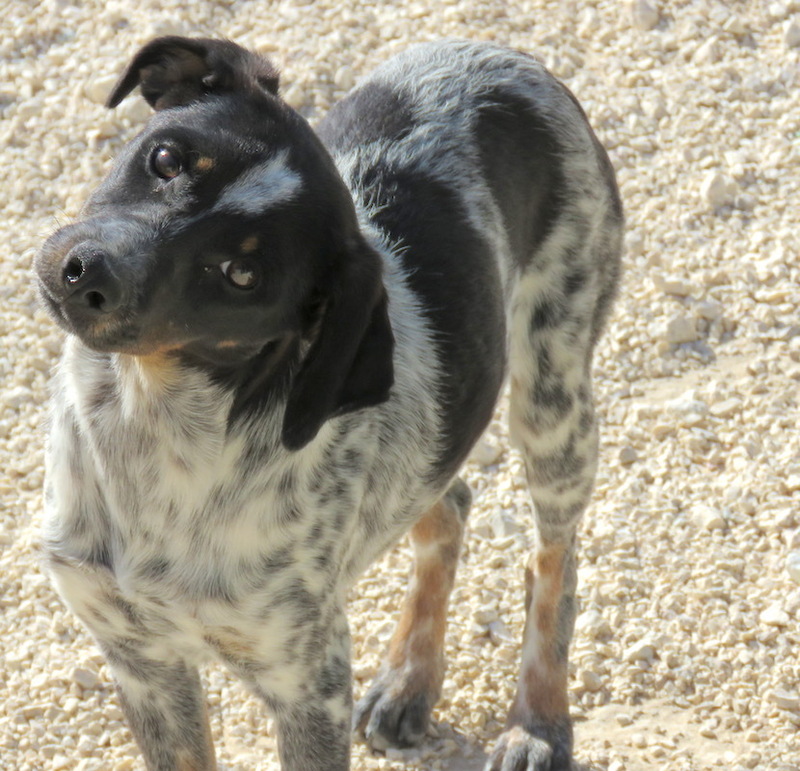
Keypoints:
pixel 391 714
pixel 519 750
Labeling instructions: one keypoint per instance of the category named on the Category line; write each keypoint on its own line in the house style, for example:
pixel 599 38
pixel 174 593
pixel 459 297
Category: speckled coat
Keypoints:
pixel 268 380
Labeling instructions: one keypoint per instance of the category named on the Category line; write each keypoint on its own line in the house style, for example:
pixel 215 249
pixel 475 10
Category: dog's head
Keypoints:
pixel 222 232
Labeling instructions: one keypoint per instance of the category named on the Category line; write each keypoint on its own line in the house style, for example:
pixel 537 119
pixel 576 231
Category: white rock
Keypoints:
pixel 486 452
pixel 675 285
pixel 718 189
pixel 792 483
pixel 502 525
pixel 707 53
pixel 485 616
pixel 791 32
pixel 591 680
pixel 498 632
pixel 793 566
pixel 85 678
pixel 727 408
pixel 97 90
pixel 785 699
pixel 774 615
pixel 710 310
pixel 640 651
pixel 16 397
pixel 707 518
pixel 592 624
pixel 680 329
pixel 687 403
pixel 644 15
pixel 344 78
pixel 735 25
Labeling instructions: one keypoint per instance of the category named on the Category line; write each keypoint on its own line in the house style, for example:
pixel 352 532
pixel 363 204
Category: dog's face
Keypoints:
pixel 221 229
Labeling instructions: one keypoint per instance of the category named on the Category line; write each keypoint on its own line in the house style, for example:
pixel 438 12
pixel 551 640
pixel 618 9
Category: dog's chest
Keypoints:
pixel 217 540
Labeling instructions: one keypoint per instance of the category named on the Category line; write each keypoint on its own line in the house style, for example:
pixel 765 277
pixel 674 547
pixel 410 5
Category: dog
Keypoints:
pixel 282 345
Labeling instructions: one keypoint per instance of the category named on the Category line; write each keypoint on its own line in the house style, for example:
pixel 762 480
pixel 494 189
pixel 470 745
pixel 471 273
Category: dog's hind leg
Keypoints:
pixel 396 709
pixel 553 424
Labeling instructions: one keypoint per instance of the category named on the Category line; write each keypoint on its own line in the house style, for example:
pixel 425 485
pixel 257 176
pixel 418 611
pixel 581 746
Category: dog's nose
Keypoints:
pixel 89 280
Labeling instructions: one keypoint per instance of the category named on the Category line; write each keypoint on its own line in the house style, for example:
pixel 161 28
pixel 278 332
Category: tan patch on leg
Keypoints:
pixel 542 689
pixel 419 637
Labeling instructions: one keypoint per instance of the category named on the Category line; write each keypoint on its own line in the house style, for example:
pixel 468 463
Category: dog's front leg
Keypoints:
pixel 314 727
pixel 165 708
pixel 159 692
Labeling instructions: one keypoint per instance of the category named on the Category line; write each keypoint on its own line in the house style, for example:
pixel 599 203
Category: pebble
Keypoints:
pixel 98 89
pixel 639 740
pixel 726 408
pixel 644 14
pixel 344 78
pixel 680 329
pixel 707 518
pixel 791 32
pixel 592 682
pixel 592 624
pixel 718 189
pixel 774 615
pixel 85 678
pixel 793 565
pixel 485 616
pixel 675 285
pixel 486 452
pixel 640 651
pixel 785 699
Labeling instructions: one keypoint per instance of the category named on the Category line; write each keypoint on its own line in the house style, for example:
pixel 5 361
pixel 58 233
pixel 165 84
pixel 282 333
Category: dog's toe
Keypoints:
pixel 520 750
pixel 391 715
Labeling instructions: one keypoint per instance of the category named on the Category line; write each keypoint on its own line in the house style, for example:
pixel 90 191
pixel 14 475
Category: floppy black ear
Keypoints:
pixel 349 365
pixel 175 71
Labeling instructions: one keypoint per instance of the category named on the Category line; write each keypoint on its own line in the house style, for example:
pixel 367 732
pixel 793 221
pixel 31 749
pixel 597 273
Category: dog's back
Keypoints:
pixel 502 207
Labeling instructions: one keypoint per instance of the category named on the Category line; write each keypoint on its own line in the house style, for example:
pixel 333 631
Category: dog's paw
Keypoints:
pixel 395 711
pixel 520 750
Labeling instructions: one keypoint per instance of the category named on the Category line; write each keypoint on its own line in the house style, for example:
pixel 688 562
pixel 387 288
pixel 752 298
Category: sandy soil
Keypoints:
pixel 685 656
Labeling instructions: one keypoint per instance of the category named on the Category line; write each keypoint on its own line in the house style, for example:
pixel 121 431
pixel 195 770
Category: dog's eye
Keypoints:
pixel 241 273
pixel 166 163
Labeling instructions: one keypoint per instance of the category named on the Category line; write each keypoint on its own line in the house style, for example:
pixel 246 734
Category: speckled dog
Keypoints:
pixel 282 346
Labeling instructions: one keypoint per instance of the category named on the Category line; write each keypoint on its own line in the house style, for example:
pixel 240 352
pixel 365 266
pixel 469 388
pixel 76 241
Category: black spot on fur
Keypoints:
pixel 527 185
pixel 371 113
pixel 451 269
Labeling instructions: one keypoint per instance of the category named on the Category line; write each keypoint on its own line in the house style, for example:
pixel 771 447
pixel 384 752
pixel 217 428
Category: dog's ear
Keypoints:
pixel 349 364
pixel 174 71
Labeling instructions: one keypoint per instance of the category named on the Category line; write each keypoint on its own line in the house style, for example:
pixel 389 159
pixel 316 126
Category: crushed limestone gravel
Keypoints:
pixel 686 650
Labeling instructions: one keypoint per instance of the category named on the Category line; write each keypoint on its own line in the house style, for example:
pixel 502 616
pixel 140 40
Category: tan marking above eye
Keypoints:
pixel 249 245
pixel 205 164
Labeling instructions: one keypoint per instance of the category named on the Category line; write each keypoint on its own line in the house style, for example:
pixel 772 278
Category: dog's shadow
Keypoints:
pixel 467 757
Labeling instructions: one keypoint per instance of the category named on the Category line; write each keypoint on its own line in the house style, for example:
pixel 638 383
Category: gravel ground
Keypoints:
pixel 685 656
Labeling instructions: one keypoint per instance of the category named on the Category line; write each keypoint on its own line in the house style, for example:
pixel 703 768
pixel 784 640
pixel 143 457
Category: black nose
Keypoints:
pixel 89 280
